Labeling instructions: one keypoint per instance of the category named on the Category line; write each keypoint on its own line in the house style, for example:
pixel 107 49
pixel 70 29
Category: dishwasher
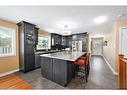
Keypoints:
pixel 37 61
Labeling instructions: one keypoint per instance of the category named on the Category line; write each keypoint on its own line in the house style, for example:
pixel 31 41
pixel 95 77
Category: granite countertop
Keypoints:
pixel 44 52
pixel 70 56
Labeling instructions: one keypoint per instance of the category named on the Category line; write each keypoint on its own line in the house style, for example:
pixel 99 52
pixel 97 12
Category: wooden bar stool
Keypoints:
pixel 88 55
pixel 84 66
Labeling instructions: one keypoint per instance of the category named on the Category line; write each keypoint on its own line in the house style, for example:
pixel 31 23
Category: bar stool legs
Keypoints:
pixel 83 67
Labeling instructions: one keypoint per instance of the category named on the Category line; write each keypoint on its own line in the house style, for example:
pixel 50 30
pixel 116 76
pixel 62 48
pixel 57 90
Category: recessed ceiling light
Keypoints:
pixel 100 19
pixel 122 15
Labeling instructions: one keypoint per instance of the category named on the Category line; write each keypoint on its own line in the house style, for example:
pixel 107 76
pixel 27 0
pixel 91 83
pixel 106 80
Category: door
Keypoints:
pixel 97 46
pixel 124 41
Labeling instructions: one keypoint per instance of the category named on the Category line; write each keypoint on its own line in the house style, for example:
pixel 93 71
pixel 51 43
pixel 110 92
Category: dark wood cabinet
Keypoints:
pixel 84 37
pixel 85 42
pixel 77 37
pixel 56 39
pixel 37 61
pixel 46 67
pixel 29 62
pixel 69 41
pixel 63 40
pixel 36 36
pixel 57 70
pixel 28 38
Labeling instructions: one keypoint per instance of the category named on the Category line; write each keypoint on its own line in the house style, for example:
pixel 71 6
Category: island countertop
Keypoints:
pixel 70 56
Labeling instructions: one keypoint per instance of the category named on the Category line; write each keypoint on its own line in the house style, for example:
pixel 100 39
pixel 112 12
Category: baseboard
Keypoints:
pixel 114 72
pixel 10 72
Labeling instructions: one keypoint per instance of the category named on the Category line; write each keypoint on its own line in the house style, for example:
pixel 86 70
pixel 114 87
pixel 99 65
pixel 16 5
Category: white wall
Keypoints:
pixel 109 51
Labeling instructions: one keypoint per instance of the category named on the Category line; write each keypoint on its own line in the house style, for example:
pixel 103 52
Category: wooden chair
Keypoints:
pixel 84 66
pixel 88 55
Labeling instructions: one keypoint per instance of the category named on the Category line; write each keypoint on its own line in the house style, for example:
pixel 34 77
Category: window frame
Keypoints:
pixel 49 42
pixel 13 42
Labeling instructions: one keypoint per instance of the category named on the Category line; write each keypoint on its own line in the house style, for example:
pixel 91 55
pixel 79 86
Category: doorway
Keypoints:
pixel 97 46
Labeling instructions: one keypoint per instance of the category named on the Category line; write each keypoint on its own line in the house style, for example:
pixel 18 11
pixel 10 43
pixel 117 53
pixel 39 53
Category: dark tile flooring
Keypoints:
pixel 101 77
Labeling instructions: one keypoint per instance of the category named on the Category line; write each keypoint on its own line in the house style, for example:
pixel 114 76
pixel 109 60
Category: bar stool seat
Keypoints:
pixel 83 63
pixel 79 62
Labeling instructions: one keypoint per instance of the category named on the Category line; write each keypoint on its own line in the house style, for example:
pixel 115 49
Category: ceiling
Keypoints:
pixel 53 18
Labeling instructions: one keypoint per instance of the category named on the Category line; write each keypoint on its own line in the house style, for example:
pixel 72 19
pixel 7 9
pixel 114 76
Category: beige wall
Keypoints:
pixel 111 51
pixel 44 33
pixel 10 63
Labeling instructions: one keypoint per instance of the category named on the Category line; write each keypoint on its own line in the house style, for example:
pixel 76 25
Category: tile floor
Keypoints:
pixel 101 77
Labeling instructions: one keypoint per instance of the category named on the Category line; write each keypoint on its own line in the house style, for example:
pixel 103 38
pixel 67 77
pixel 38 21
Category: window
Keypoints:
pixel 43 42
pixel 7 41
pixel 123 41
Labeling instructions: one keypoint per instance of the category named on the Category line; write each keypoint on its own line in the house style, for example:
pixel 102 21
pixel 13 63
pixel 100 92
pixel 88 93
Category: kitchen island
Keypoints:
pixel 58 67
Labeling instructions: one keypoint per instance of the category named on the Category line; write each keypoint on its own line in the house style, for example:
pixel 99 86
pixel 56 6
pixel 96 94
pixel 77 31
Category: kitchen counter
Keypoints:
pixel 70 56
pixel 45 52
pixel 58 67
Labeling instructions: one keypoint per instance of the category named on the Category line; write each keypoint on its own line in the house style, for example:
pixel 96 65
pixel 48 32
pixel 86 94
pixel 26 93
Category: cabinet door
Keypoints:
pixel 71 68
pixel 60 71
pixel 37 61
pixel 85 42
pixel 29 43
pixel 29 49
pixel 70 42
pixel 29 62
pixel 36 36
pixel 64 41
pixel 60 40
pixel 29 30
pixel 57 39
pixel 46 67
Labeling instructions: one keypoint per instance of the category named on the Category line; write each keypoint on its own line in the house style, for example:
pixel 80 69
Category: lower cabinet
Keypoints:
pixel 46 67
pixel 29 62
pixel 60 71
pixel 57 70
pixel 37 61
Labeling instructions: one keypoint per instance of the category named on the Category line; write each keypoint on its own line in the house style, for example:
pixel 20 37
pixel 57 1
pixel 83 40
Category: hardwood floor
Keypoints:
pixel 13 82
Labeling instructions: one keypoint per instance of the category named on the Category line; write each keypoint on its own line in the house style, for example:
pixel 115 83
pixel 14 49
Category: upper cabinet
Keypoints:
pixel 77 37
pixel 85 42
pixel 69 41
pixel 36 35
pixel 66 41
pixel 56 39
pixel 84 37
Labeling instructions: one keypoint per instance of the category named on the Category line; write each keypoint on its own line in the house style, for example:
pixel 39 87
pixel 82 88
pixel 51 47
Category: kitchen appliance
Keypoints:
pixel 77 46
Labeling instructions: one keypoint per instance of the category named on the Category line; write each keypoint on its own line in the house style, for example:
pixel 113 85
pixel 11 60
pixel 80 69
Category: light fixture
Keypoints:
pixel 66 31
pixel 105 43
pixel 100 19
pixel 71 23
